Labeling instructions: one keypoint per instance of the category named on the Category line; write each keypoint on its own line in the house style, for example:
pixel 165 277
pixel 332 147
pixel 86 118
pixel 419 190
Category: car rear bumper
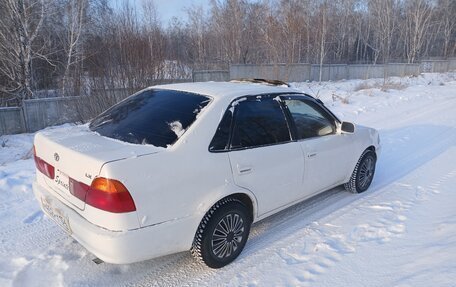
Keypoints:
pixel 119 247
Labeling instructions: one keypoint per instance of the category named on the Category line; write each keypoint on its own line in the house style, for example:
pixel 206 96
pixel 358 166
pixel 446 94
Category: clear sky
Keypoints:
pixel 167 9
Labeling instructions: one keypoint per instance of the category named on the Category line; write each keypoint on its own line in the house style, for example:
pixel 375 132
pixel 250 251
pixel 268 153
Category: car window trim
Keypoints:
pixel 290 122
pixel 269 95
pixel 288 117
pixel 252 98
pixel 306 97
pixel 335 120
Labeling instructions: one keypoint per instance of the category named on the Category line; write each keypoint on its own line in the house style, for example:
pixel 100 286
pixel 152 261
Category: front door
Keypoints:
pixel 326 151
pixel 326 161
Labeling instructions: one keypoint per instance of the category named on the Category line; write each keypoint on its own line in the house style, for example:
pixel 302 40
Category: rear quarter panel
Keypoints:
pixel 181 181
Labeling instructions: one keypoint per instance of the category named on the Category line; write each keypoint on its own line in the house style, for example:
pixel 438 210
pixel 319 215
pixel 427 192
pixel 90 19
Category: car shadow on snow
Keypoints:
pixel 403 151
pixel 407 148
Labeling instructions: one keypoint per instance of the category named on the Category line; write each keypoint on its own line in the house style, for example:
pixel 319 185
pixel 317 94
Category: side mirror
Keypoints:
pixel 347 128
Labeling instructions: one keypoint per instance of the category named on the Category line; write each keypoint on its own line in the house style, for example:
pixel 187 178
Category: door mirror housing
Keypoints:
pixel 347 128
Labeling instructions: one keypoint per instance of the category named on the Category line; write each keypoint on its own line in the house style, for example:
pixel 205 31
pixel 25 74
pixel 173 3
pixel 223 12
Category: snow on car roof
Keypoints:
pixel 226 89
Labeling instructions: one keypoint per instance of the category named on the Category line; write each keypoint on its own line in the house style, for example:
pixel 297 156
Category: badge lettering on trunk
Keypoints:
pixel 56 156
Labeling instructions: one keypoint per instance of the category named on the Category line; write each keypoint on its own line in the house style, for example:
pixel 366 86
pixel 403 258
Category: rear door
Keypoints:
pixel 263 157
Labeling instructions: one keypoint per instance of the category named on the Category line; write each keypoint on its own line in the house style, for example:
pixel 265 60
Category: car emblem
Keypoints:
pixel 56 156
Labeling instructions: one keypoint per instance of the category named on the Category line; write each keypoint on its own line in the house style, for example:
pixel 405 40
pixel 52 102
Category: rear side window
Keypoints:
pixel 259 122
pixel 156 117
pixel 221 139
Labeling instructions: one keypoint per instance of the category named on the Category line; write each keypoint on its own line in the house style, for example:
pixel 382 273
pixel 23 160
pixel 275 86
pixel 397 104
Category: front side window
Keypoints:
pixel 259 122
pixel 310 119
pixel 156 117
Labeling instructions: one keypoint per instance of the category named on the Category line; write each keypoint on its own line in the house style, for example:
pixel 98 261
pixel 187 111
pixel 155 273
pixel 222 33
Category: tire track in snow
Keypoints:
pixel 263 235
pixel 327 243
pixel 420 110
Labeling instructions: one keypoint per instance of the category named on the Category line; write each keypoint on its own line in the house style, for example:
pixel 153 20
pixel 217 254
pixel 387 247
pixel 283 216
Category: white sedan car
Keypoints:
pixel 191 166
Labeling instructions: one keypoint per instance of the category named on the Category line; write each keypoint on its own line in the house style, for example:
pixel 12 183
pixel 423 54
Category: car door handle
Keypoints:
pixel 244 169
pixel 312 154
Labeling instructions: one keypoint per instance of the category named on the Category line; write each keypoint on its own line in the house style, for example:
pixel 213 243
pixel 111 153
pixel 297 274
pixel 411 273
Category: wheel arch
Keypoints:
pixel 359 153
pixel 246 200
pixel 202 249
pixel 243 195
pixel 372 148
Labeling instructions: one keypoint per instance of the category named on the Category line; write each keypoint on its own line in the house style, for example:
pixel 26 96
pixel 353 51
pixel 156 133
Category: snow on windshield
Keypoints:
pixel 177 128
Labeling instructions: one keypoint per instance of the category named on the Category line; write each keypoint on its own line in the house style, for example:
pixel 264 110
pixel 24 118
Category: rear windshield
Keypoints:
pixel 156 117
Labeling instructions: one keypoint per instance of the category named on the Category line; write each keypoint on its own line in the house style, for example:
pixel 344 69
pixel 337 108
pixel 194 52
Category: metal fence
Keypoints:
pixel 211 75
pixel 37 114
pixel 11 121
pixel 331 72
pixel 41 113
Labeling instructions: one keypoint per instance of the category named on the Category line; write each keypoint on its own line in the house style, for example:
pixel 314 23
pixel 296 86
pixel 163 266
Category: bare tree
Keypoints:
pixel 197 26
pixel 20 23
pixel 447 26
pixel 385 24
pixel 417 18
pixel 75 12
pixel 155 41
pixel 323 35
pixel 59 44
pixel 293 26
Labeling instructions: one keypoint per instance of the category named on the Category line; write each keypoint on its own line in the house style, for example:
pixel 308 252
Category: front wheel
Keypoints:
pixel 222 234
pixel 363 173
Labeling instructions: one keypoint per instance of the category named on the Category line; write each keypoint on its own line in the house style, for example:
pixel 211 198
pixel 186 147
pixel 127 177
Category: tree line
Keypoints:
pixel 72 46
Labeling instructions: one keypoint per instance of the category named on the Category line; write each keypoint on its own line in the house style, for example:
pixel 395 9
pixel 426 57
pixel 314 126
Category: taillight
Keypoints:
pixel 110 195
pixel 78 189
pixel 43 166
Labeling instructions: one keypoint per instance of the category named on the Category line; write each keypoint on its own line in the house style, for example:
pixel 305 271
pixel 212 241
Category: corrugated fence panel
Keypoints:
pixel 435 66
pixel 440 66
pixel 11 121
pixel 41 113
pixel 412 69
pixel 330 72
pixel 365 71
pixel 452 64
pixel 401 69
pixel 215 76
pixel 297 73
pixel 333 72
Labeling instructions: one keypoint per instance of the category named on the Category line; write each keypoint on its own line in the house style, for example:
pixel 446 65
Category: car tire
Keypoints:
pixel 222 233
pixel 363 173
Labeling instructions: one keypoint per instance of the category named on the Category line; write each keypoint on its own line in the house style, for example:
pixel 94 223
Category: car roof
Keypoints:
pixel 226 90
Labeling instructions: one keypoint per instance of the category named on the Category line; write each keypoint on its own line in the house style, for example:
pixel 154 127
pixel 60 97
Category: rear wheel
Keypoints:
pixel 222 233
pixel 363 173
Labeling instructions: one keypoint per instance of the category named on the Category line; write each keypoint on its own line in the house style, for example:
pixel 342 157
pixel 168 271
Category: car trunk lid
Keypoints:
pixel 78 154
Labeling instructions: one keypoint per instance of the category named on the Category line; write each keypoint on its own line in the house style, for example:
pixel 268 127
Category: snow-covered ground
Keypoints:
pixel 401 232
